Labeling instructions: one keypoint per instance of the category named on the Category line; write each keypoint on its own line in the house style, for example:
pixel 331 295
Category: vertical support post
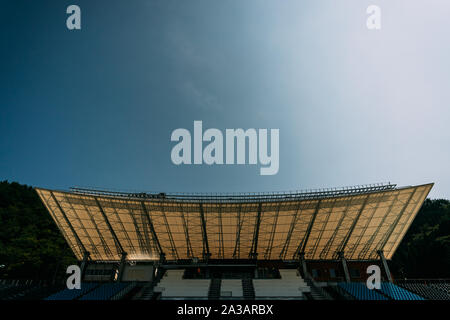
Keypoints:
pixel 158 265
pixel 111 230
pixel 152 228
pixel 155 269
pixel 344 266
pixel 206 253
pixel 303 264
pixel 385 265
pixel 83 264
pixel 122 266
pixel 254 250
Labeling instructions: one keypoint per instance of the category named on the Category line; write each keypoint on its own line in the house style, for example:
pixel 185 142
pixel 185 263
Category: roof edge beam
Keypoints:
pixel 189 251
pixel 397 219
pixel 302 246
pixel 370 242
pixel 238 233
pixel 70 224
pixel 206 253
pixel 254 251
pixel 272 233
pixel 152 228
pixel 111 230
pixel 355 222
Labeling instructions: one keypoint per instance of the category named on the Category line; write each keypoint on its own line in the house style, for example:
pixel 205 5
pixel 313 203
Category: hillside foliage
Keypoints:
pixel 31 246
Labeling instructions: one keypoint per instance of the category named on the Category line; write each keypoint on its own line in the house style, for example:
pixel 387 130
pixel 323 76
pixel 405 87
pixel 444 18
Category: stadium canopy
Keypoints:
pixel 357 221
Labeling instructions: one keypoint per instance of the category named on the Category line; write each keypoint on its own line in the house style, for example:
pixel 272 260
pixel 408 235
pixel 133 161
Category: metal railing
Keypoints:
pixel 241 196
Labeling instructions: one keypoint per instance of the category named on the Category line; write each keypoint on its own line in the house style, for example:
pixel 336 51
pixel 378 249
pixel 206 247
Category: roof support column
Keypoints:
pixel 385 265
pixel 206 253
pixel 152 229
pixel 302 245
pixel 111 230
pixel 80 244
pixel 254 252
pixel 122 266
pixel 303 264
pixel 344 266
pixel 84 263
pixel 354 223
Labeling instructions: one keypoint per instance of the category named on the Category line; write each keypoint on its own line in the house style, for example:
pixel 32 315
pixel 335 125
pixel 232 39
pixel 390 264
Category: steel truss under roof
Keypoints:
pixel 357 221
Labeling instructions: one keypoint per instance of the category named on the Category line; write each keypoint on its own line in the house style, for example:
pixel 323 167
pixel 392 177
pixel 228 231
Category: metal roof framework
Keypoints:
pixel 358 221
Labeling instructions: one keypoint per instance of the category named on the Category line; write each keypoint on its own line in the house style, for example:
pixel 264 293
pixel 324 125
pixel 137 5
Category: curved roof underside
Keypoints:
pixel 358 224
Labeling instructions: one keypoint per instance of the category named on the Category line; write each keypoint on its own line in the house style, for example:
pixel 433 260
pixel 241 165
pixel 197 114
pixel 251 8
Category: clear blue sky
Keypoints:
pixel 96 107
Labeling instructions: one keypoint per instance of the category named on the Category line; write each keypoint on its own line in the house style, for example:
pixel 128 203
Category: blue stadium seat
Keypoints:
pixel 73 294
pixel 360 291
pixel 398 293
pixel 105 291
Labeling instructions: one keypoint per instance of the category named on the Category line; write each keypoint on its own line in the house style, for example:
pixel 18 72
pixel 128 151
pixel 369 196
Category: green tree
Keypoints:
pixel 31 246
pixel 425 250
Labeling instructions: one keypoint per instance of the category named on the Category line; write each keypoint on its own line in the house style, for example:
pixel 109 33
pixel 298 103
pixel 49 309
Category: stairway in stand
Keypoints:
pixel 145 293
pixel 248 289
pixel 214 289
pixel 315 292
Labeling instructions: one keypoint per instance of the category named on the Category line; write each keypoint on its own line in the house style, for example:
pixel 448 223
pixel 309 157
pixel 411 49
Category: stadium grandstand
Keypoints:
pixel 313 245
